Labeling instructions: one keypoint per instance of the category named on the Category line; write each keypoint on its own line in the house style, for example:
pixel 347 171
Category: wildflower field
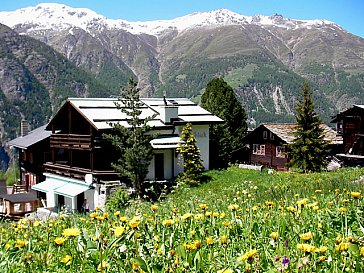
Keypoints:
pixel 239 221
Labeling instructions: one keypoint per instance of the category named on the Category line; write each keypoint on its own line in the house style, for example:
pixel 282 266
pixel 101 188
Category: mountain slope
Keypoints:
pixel 265 58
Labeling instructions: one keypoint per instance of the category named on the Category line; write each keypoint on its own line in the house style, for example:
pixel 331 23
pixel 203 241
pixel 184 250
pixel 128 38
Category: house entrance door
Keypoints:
pixel 159 166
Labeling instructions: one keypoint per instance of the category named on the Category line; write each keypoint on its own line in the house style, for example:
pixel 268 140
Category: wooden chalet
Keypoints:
pixel 267 144
pixel 78 166
pixel 350 125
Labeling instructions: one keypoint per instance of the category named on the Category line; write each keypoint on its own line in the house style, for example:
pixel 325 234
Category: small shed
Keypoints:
pixel 18 204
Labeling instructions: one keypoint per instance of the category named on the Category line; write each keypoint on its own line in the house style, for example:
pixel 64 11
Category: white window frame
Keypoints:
pixel 258 149
pixel 281 151
pixel 265 134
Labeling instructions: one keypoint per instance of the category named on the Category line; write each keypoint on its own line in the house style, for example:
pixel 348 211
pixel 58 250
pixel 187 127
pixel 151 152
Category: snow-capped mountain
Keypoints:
pixel 58 16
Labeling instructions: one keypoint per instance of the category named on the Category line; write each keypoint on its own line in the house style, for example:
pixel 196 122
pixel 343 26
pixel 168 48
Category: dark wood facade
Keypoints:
pixel 266 148
pixel 77 147
pixel 350 124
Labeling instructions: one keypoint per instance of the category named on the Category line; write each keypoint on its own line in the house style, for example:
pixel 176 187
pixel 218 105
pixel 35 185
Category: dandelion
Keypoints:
pixel 71 232
pixel 154 208
pixel 274 235
pixel 342 247
pixel 67 260
pixel 103 265
pixel 233 207
pixel 192 233
pixel 223 239
pixel 306 236
pixel 123 219
pixel 248 255
pixel 135 222
pixel 186 216
pixel 302 202
pixel 203 206
pixel 362 251
pixel 355 194
pixel 20 243
pixel 306 248
pixel 119 231
pixel 342 210
pixel 209 241
pixel 117 213
pixel 59 241
pixel 225 271
pixel 168 222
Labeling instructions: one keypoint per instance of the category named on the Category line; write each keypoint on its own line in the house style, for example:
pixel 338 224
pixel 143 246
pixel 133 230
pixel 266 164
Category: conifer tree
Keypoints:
pixel 133 141
pixel 308 150
pixel 192 163
pixel 225 139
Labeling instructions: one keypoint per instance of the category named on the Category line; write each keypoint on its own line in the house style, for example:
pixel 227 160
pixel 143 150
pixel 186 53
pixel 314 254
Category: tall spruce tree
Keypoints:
pixel 133 141
pixel 225 139
pixel 192 163
pixel 309 149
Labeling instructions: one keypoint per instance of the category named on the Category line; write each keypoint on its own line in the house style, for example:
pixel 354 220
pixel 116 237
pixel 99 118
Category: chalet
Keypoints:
pixel 267 144
pixel 77 161
pixel 350 125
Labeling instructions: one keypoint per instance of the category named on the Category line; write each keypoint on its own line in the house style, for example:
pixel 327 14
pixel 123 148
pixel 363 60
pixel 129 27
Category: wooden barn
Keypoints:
pixel 267 144
pixel 350 125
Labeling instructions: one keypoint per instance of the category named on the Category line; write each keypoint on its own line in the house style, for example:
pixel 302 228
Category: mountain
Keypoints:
pixel 34 81
pixel 264 58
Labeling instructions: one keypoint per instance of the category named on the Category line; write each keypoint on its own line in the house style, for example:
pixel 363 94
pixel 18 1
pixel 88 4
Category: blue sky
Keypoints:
pixel 347 13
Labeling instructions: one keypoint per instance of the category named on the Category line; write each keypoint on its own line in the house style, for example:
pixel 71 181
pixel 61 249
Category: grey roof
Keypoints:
pixel 100 112
pixel 31 138
pixel 20 197
pixel 286 132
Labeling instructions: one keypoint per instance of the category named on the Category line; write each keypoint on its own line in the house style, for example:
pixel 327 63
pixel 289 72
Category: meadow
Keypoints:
pixel 238 221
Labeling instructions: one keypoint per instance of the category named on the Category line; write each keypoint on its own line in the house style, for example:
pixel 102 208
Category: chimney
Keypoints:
pixel 168 113
pixel 24 127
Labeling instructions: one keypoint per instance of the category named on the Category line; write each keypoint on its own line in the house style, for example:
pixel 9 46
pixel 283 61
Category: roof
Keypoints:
pixel 337 117
pixel 20 197
pixel 285 131
pixel 31 138
pixel 100 112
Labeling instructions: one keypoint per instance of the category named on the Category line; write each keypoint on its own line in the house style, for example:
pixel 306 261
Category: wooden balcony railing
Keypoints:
pixel 76 172
pixel 71 141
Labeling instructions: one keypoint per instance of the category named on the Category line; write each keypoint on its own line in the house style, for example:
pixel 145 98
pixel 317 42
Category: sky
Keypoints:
pixel 349 14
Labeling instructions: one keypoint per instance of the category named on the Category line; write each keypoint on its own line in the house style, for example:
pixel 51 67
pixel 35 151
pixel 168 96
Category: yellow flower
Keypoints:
pixel 208 213
pixel 135 266
pixel 269 203
pixel 203 206
pixel 198 216
pixel 117 213
pixel 330 203
pixel 20 243
pixel 342 247
pixel 306 236
pixel 59 241
pixel 103 265
pixel 342 209
pixel 175 210
pixel 306 247
pixel 225 271
pixel 233 207
pixel 362 251
pixel 36 223
pixel 248 255
pixel 154 207
pixel 7 246
pixel 93 215
pixel 123 219
pixel 355 194
pixel 67 260
pixel 274 235
pixel 302 202
pixel 223 239
pixel 168 222
pixel 192 233
pixel 186 216
pixel 135 222
pixel 209 240
pixel 71 232
pixel 291 209
pixel 119 231
pixel 321 249
pixel 215 214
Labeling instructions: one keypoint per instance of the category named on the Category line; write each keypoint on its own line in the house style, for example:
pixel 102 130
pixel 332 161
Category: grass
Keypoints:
pixel 239 221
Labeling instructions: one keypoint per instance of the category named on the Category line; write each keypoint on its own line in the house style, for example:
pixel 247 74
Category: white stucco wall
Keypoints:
pixel 201 133
pixel 168 161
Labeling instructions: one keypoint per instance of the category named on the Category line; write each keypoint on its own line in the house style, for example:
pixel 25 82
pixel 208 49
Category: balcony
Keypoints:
pixel 76 172
pixel 71 141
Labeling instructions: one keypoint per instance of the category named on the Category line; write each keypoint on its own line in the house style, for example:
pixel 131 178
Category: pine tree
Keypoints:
pixel 225 139
pixel 192 163
pixel 132 142
pixel 308 150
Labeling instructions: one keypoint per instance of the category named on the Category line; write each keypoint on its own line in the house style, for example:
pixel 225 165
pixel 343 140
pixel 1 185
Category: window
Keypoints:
pixel 280 151
pixel 258 149
pixel 265 134
pixel 271 136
